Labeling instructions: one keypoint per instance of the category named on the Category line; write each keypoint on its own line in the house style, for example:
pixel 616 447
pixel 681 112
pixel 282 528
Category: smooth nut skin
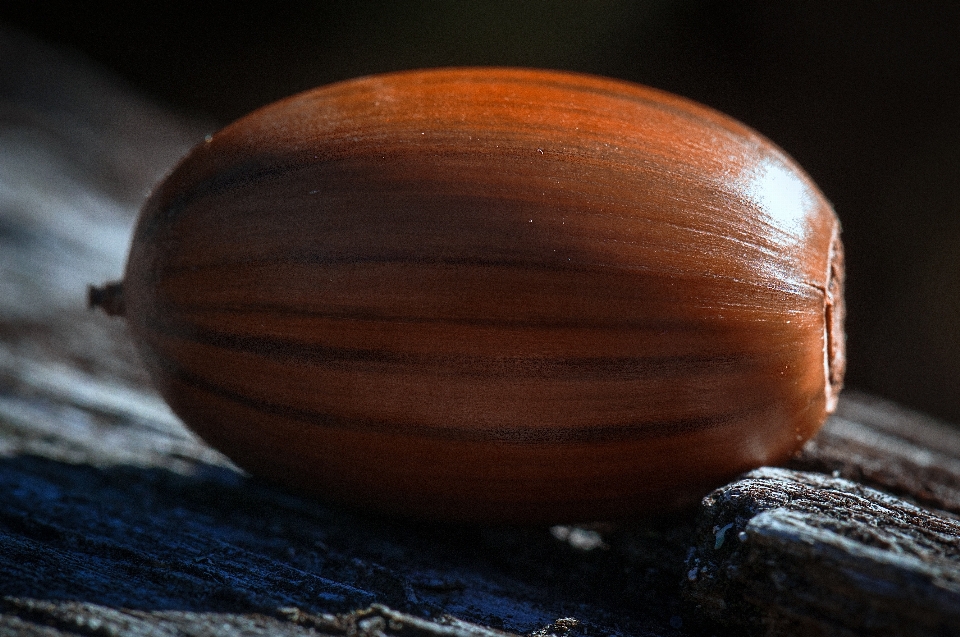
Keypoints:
pixel 492 294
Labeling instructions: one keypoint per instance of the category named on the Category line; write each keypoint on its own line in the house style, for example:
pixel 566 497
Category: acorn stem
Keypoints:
pixel 109 298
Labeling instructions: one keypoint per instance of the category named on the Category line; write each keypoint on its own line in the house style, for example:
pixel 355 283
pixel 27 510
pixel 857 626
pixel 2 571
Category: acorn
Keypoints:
pixel 493 295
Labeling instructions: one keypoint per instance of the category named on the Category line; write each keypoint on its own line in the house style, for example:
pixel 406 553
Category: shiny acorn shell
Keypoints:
pixel 492 294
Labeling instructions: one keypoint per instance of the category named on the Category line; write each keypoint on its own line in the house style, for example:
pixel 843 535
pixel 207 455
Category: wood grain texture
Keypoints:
pixel 492 294
pixel 794 553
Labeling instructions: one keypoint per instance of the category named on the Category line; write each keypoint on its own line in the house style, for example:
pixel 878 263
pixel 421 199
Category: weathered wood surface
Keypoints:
pixel 805 553
pixel 116 520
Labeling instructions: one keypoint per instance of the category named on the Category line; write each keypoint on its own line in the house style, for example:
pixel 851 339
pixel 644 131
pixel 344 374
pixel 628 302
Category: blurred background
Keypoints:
pixel 865 95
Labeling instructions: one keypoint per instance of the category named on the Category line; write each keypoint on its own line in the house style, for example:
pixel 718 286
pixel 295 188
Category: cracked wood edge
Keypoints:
pixel 885 445
pixel 786 552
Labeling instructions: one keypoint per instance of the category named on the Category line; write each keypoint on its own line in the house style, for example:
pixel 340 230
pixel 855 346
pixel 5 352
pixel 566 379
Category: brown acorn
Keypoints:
pixel 491 294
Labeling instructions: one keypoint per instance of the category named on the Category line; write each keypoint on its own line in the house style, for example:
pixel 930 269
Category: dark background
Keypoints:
pixel 865 95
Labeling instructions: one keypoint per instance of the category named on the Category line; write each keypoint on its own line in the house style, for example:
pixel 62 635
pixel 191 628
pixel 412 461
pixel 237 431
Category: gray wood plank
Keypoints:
pixel 793 552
